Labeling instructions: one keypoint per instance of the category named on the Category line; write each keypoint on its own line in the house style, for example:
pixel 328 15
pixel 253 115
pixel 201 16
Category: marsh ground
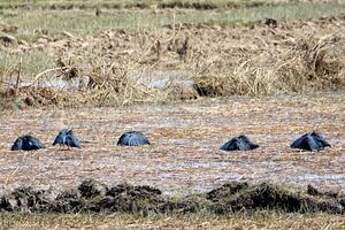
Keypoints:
pixel 184 156
pixel 118 53
pixel 271 82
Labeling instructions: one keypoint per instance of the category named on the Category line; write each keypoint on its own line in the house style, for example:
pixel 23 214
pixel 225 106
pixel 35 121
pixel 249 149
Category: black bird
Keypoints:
pixel 239 143
pixel 67 138
pixel 27 143
pixel 133 138
pixel 311 142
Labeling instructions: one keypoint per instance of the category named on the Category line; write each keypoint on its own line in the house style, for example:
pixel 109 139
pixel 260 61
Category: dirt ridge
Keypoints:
pixel 138 5
pixel 94 196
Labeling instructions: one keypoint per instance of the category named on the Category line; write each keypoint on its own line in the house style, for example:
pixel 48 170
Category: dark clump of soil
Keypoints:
pixel 235 197
pixel 93 196
pixel 315 192
pixel 187 5
pixel 67 202
pixel 226 190
pixel 211 87
pixel 92 188
pixel 270 22
pixel 128 199
pixel 26 199
pixel 189 204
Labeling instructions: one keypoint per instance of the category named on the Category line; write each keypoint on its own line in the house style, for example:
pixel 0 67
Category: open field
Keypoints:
pixel 184 156
pixel 190 75
pixel 131 56
pixel 261 220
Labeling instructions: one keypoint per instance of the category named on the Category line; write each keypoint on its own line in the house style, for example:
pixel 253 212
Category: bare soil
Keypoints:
pixel 184 157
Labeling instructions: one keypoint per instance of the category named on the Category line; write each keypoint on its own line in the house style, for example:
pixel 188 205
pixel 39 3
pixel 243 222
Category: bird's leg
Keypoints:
pixel 62 147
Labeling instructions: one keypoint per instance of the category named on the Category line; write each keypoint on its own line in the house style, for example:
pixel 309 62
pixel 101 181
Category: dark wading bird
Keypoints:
pixel 27 143
pixel 311 142
pixel 133 138
pixel 239 143
pixel 67 138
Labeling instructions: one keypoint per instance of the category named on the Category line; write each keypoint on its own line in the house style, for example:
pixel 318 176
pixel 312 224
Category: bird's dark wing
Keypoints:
pixel 299 141
pixel 36 143
pixel 133 138
pixel 123 140
pixel 314 145
pixel 72 141
pixel 61 137
pixel 69 131
pixel 306 142
pixel 320 140
pixel 244 138
pixel 58 140
pixel 231 145
pixel 18 144
pixel 137 138
pixel 246 143
pixel 253 146
pixel 31 143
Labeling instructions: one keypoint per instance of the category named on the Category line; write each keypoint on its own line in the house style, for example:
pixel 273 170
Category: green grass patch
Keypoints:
pixel 117 4
pixel 30 63
pixel 83 22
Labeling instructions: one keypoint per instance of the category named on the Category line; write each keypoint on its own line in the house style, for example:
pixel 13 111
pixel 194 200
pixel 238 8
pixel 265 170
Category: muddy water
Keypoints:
pixel 184 156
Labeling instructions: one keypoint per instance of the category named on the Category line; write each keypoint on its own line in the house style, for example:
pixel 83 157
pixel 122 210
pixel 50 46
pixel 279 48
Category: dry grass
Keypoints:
pixel 229 52
pixel 185 156
pixel 223 61
pixel 221 58
pixel 259 220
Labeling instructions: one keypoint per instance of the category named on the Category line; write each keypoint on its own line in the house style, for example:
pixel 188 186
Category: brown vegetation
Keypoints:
pixel 258 220
pixel 184 156
pixel 253 60
pixel 106 53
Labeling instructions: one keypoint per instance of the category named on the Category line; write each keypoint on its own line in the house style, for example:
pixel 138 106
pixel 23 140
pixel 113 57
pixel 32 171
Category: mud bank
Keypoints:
pixel 93 196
